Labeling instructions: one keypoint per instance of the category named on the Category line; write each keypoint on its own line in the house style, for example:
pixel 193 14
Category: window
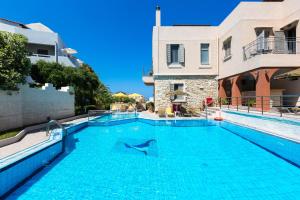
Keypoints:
pixel 227 49
pixel 178 90
pixel 175 54
pixel 204 54
pixel 42 52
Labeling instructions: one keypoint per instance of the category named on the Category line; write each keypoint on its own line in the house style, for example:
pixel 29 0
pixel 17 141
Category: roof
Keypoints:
pixel 14 23
pixel 289 75
pixel 39 27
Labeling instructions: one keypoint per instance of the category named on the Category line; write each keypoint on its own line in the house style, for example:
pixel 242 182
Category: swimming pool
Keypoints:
pixel 114 116
pixel 182 162
pixel 267 118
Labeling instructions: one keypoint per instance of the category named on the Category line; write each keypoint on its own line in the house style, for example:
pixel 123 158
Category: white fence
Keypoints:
pixel 33 105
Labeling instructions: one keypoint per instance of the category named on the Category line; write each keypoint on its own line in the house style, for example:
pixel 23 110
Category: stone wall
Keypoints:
pixel 197 88
pixel 33 105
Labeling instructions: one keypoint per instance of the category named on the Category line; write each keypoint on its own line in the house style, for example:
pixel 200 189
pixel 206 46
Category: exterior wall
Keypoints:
pixel 241 24
pixel 197 88
pixel 42 38
pixel 31 106
pixel 191 38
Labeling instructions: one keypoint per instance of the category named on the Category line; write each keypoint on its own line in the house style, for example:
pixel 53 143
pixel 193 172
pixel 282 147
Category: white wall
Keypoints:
pixel 240 26
pixel 192 38
pixel 31 105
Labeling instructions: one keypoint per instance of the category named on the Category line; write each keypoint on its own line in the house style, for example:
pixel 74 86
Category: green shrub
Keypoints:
pixel 251 102
pixel 150 106
pixel 14 64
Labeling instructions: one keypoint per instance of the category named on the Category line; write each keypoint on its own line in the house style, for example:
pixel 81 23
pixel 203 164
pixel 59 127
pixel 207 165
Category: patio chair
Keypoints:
pixel 123 108
pixel 161 112
pixel 169 112
pixel 130 108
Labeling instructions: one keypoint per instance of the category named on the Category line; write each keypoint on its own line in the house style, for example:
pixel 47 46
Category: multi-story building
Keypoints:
pixel 43 43
pixel 242 56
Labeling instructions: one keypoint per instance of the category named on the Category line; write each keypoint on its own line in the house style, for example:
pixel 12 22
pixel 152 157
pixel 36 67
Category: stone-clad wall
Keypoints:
pixel 197 88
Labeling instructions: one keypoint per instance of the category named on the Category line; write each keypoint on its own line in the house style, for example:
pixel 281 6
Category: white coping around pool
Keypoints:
pixel 28 151
pixel 280 129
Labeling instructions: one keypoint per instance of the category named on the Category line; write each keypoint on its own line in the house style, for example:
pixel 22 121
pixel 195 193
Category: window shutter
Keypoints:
pixel 168 54
pixel 280 45
pixel 181 54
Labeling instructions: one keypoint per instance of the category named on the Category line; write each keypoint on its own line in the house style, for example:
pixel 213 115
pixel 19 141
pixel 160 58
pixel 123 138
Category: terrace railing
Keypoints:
pixel 272 45
pixel 287 105
pixel 147 71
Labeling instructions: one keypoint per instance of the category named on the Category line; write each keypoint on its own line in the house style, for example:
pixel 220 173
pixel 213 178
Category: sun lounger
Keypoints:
pixel 161 112
pixel 169 112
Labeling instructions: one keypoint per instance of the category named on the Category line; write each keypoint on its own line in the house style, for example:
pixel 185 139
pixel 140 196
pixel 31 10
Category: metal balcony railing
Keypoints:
pixel 282 105
pixel 148 71
pixel 272 45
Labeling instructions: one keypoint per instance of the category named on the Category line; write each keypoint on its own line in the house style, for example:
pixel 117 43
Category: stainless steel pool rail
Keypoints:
pixel 55 122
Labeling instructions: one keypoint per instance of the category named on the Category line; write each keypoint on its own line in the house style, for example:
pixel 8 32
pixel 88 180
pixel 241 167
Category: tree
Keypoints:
pixel 88 88
pixel 14 64
pixel 103 97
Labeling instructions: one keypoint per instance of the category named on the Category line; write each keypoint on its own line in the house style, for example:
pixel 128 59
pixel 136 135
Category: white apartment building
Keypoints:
pixel 243 56
pixel 43 43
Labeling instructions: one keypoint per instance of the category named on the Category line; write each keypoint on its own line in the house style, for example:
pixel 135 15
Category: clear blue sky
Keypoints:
pixel 114 36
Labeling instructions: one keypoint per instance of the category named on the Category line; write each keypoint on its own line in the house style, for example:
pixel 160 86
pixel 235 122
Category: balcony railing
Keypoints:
pixel 272 45
pixel 148 71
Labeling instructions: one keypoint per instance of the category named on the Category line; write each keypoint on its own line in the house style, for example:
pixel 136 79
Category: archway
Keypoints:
pixel 285 92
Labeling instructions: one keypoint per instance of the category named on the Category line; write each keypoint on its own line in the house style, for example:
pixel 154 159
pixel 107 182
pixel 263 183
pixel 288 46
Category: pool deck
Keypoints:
pixel 275 128
pixel 31 139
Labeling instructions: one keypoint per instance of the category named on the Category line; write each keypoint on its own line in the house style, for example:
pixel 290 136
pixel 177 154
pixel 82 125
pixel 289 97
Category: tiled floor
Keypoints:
pixel 31 139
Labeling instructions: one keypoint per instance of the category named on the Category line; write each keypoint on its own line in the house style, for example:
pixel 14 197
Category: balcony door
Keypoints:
pixel 290 36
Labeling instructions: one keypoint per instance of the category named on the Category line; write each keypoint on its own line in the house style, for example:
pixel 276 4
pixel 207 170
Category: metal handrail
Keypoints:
pixel 263 103
pixel 271 45
pixel 148 71
pixel 56 123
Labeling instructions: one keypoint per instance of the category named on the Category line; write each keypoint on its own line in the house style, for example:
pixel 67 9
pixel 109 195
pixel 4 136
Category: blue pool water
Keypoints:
pixel 203 162
pixel 275 119
pixel 111 117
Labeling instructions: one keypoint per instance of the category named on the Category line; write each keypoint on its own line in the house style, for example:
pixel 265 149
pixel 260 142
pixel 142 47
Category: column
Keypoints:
pixel 263 88
pixel 235 92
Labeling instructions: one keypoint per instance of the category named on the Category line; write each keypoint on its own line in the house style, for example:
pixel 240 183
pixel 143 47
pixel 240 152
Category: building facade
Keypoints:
pixel 240 57
pixel 43 43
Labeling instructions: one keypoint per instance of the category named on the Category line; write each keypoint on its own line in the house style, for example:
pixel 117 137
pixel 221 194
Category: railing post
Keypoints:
pixel 281 106
pixel 206 111
pixel 237 103
pixel 248 105
pixel 228 103
pixel 262 105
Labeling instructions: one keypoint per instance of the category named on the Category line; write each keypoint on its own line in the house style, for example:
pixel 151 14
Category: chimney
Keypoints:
pixel 157 15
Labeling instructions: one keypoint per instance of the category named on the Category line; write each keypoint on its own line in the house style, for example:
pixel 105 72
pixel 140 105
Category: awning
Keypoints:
pixel 289 75
pixel 119 94
pixel 69 51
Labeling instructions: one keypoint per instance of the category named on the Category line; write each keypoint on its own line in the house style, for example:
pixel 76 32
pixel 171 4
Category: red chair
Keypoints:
pixel 209 101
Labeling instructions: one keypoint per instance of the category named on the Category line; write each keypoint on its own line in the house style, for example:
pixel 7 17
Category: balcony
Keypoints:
pixel 34 58
pixel 148 77
pixel 271 45
pixel 64 60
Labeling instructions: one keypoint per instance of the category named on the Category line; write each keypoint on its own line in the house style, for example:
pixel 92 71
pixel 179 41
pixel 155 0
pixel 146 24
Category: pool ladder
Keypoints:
pixel 55 122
